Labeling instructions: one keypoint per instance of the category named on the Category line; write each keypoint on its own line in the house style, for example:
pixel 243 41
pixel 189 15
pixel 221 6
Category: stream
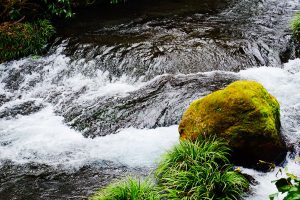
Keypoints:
pixel 106 99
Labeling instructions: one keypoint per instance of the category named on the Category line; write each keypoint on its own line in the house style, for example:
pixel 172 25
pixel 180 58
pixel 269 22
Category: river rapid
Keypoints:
pixel 106 99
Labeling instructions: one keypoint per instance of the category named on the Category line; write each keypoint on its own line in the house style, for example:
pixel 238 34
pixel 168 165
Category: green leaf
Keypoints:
pixel 283 185
pixel 292 196
pixel 292 176
pixel 273 196
pixel 294 189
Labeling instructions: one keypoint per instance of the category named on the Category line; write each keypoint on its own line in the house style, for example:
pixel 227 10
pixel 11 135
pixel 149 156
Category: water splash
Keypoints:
pixel 44 138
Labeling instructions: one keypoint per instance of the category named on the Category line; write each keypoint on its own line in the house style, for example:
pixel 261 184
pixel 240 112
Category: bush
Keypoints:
pixel 22 39
pixel 295 25
pixel 289 186
pixel 34 9
pixel 199 170
pixel 60 8
pixel 40 9
pixel 129 189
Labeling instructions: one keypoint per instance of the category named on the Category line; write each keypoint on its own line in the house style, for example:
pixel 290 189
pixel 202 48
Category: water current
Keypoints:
pixel 106 99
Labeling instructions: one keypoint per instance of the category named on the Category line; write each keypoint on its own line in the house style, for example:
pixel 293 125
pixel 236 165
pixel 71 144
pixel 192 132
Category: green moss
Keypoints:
pixel 244 113
pixel 22 39
pixel 199 170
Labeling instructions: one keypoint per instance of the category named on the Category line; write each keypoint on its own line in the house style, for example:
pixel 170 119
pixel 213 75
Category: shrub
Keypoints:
pixel 199 170
pixel 295 25
pixel 34 9
pixel 129 189
pixel 115 1
pixel 289 186
pixel 37 9
pixel 60 8
pixel 22 39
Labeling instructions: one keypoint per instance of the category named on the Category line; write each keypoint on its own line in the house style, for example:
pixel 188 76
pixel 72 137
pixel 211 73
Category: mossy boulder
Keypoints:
pixel 245 115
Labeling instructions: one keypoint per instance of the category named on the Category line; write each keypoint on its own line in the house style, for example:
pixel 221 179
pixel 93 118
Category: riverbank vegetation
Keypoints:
pixel 130 188
pixel 295 25
pixel 191 170
pixel 289 186
pixel 21 39
pixel 26 25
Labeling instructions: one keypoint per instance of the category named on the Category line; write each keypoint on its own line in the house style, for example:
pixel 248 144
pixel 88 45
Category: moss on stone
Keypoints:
pixel 244 113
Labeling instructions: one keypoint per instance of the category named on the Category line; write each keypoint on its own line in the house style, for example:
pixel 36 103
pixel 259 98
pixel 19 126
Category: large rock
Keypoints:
pixel 243 113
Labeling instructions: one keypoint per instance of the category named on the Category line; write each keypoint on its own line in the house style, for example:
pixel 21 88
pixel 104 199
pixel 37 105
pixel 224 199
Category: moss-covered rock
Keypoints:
pixel 243 113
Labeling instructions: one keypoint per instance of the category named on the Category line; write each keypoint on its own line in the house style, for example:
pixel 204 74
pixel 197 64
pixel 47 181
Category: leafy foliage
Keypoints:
pixel 115 1
pixel 61 8
pixel 289 186
pixel 21 39
pixel 34 9
pixel 295 25
pixel 199 170
pixel 130 189
pixel 26 30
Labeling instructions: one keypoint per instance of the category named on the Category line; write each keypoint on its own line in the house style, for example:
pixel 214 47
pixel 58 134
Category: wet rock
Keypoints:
pixel 160 103
pixel 3 99
pixel 251 179
pixel 23 108
pixel 264 166
pixel 244 114
pixel 40 181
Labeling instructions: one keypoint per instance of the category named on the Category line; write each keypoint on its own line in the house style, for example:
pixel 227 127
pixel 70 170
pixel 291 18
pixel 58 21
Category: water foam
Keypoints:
pixel 265 187
pixel 57 74
pixel 284 84
pixel 43 138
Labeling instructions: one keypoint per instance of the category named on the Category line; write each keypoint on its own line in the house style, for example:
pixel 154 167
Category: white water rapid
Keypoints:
pixel 43 137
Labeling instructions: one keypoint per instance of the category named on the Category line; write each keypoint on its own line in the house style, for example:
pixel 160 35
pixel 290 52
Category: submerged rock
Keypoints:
pixel 244 114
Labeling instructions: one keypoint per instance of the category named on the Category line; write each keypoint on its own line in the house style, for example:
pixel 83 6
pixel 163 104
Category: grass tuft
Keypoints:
pixel 295 25
pixel 199 170
pixel 128 189
pixel 190 171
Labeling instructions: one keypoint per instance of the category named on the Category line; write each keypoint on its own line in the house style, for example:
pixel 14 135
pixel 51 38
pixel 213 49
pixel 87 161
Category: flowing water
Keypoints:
pixel 106 99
